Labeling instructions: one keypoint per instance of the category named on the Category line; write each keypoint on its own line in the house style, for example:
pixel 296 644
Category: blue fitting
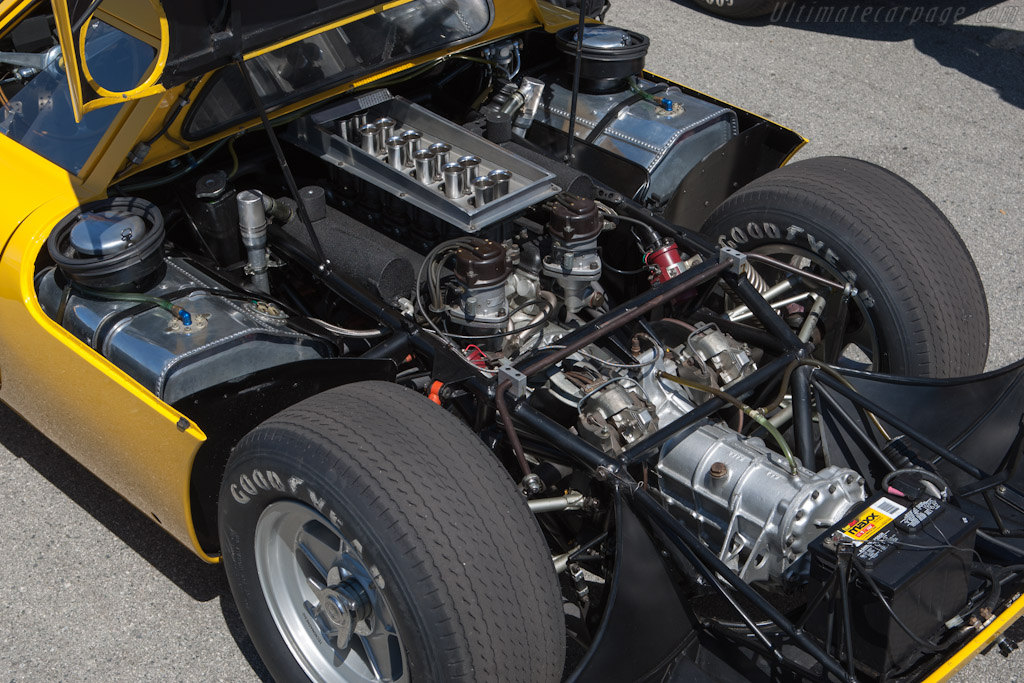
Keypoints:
pixel 667 104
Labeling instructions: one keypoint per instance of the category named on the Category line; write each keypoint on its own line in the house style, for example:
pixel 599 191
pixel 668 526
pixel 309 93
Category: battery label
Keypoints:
pixel 919 515
pixel 872 520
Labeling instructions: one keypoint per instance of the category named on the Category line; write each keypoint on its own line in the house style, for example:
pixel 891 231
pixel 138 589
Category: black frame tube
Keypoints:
pixel 648 447
pixel 761 309
pixel 843 569
pixel 603 326
pixel 851 424
pixel 547 428
pixel 694 241
pixel 803 426
pixel 390 347
pixel 886 415
pixel 741 332
pixel 625 313
pixel 510 430
pixel 702 558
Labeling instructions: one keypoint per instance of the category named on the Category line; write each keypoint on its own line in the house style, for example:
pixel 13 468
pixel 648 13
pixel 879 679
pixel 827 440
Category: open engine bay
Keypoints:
pixel 602 353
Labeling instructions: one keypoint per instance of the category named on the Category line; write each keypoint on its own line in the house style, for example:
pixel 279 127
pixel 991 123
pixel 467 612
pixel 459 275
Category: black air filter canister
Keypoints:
pixel 610 56
pixel 216 217
pixel 374 260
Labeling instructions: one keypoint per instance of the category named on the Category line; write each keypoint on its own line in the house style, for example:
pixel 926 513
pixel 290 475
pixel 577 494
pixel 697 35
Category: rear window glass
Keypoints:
pixel 340 54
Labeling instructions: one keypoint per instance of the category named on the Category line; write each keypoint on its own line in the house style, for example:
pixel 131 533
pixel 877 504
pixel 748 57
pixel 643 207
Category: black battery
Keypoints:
pixel 918 556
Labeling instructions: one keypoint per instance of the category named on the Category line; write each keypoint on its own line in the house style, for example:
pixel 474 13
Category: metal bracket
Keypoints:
pixel 730 255
pixel 508 372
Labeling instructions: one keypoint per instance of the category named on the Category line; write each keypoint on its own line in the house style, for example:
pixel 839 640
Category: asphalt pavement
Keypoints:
pixel 91 590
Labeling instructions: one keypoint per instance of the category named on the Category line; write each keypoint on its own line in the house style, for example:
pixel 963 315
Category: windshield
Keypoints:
pixel 332 57
pixel 40 116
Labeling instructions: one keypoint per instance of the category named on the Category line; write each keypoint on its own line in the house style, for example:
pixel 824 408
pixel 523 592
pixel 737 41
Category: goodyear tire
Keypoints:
pixel 921 308
pixel 740 9
pixel 368 535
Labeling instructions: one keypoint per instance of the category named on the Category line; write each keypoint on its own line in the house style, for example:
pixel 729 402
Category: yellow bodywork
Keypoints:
pixel 131 17
pixel 136 443
pixel 986 637
pixel 86 405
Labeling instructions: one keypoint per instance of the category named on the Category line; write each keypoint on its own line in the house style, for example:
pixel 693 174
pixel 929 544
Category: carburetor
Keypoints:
pixel 574 262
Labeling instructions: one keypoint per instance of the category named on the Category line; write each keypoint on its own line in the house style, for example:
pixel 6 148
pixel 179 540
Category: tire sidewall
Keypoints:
pixel 258 476
pixel 752 228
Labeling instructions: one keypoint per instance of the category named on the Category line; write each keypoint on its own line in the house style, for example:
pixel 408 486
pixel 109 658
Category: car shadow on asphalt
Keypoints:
pixel 197 579
pixel 982 39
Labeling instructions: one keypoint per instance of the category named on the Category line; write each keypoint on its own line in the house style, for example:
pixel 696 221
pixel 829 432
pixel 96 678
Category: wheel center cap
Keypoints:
pixel 334 612
pixel 338 610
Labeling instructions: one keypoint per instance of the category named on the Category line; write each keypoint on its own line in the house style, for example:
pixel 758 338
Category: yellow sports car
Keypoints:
pixel 477 352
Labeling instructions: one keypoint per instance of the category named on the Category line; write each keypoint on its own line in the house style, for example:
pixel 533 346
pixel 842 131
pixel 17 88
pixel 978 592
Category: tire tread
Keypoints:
pixel 452 512
pixel 915 252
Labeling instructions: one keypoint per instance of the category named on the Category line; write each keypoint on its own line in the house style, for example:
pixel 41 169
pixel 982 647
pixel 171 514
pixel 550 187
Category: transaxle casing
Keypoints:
pixel 741 499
